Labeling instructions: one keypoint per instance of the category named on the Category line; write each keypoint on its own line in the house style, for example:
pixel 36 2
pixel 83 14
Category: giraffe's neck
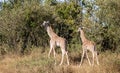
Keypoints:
pixel 51 32
pixel 82 35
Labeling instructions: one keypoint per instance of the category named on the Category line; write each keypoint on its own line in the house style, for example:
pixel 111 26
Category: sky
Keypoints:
pixel 6 0
pixel 1 0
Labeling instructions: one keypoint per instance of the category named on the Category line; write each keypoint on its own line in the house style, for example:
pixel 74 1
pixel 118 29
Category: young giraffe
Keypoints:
pixel 87 45
pixel 55 40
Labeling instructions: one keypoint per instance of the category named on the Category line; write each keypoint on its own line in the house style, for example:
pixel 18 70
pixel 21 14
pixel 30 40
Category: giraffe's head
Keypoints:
pixel 80 28
pixel 46 23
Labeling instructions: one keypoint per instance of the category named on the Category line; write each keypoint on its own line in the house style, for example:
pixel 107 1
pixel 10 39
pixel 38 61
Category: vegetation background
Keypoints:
pixel 24 44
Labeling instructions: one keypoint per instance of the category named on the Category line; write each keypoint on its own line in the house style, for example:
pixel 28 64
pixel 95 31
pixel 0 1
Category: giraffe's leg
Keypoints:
pixel 49 52
pixel 96 58
pixel 67 58
pixel 82 57
pixel 88 58
pixel 63 53
pixel 54 55
pixel 51 47
pixel 93 58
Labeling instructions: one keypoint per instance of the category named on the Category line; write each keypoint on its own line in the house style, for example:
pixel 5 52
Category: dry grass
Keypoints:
pixel 38 62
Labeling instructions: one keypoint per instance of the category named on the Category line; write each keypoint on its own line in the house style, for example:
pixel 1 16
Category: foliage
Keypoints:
pixel 109 18
pixel 21 25
pixel 20 22
pixel 68 19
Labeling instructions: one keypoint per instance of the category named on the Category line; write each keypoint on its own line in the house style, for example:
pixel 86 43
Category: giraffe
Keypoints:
pixel 55 40
pixel 87 45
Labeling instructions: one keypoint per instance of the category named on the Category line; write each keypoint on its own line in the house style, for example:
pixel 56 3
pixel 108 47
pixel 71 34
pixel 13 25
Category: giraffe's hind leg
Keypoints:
pixel 67 58
pixel 88 58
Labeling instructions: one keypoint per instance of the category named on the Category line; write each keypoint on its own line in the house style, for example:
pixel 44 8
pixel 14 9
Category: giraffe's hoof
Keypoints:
pixel 60 64
pixel 98 64
pixel 48 56
pixel 55 64
pixel 79 65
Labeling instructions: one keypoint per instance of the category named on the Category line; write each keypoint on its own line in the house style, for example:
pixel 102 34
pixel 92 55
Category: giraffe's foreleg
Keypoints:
pixel 49 52
pixel 51 47
pixel 54 55
pixel 96 58
pixel 82 57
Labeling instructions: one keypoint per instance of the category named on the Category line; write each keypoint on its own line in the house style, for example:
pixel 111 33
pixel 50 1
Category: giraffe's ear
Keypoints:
pixel 83 27
pixel 48 21
pixel 80 26
pixel 79 29
pixel 44 22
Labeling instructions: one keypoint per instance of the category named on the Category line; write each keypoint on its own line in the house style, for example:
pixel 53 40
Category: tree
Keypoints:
pixel 109 18
pixel 21 25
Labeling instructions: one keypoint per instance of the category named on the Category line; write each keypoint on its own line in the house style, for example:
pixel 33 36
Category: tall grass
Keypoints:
pixel 38 62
